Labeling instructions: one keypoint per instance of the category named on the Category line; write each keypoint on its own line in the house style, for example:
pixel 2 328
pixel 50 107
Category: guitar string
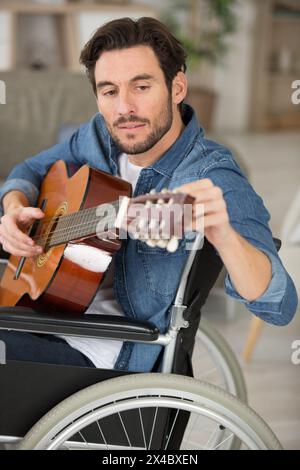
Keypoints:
pixel 59 233
pixel 76 229
pixel 59 240
pixel 85 211
pixel 65 229
pixel 92 209
pixel 113 203
pixel 70 218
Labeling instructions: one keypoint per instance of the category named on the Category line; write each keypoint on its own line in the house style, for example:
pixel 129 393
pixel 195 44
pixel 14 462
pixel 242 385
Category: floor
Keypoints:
pixel 273 381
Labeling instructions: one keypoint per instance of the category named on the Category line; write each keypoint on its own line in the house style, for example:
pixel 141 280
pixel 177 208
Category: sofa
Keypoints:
pixel 38 106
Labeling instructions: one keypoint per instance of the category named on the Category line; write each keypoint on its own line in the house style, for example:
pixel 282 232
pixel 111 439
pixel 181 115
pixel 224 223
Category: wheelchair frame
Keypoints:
pixel 175 341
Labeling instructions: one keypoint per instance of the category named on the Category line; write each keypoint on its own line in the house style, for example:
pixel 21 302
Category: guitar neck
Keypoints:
pixel 82 224
pixel 104 218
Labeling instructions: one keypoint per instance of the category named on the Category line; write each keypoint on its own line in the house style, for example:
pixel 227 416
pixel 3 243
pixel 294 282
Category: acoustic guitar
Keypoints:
pixel 87 215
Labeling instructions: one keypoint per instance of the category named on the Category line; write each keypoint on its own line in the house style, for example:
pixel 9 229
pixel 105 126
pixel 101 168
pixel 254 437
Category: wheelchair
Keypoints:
pixel 58 407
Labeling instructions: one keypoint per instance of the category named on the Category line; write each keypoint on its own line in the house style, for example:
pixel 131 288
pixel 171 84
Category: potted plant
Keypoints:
pixel 203 27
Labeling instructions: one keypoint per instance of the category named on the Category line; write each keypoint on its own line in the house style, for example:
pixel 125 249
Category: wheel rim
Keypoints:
pixel 57 438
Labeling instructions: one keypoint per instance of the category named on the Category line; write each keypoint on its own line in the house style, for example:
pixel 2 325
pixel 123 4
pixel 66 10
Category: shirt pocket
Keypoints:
pixel 162 269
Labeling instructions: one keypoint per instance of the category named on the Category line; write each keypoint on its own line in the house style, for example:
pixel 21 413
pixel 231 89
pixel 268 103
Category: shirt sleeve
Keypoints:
pixel 249 217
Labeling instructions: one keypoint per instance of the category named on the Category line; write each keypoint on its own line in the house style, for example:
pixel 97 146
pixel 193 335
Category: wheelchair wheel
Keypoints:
pixel 215 362
pixel 149 411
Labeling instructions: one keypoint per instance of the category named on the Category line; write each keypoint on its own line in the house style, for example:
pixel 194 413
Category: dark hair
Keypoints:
pixel 124 33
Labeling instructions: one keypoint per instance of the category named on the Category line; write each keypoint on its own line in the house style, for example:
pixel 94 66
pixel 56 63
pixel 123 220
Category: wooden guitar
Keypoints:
pixel 77 253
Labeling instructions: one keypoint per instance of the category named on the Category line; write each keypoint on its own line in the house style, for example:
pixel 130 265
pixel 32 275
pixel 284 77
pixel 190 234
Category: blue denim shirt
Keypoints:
pixel 146 279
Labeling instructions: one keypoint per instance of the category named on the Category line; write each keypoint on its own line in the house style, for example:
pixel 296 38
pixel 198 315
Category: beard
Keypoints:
pixel 160 127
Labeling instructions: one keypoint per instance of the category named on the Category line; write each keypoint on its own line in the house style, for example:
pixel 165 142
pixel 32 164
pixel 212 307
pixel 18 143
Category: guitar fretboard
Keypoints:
pixel 77 225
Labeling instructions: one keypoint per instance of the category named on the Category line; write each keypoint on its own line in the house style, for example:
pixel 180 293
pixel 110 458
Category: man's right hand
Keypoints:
pixel 14 223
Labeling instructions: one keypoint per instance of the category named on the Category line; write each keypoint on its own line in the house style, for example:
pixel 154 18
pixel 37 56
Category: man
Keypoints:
pixel 145 134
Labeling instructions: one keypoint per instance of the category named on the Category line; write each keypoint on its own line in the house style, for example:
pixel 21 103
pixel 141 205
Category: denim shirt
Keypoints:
pixel 146 278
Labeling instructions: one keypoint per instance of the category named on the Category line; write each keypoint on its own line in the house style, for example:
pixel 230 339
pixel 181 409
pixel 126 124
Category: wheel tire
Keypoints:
pixel 206 395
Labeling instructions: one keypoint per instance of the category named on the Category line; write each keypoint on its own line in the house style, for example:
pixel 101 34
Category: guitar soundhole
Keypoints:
pixel 51 234
pixel 47 234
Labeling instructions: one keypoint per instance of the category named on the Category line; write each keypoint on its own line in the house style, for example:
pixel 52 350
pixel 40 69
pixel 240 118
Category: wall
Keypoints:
pixel 40 41
pixel 88 22
pixel 233 79
pixel 4 40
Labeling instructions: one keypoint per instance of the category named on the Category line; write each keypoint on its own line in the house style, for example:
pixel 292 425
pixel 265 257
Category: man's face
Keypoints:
pixel 133 98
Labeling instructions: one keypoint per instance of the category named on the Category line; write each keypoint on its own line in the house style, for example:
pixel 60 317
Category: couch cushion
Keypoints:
pixel 38 103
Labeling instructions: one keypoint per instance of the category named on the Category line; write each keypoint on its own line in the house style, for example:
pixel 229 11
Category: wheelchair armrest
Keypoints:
pixel 92 326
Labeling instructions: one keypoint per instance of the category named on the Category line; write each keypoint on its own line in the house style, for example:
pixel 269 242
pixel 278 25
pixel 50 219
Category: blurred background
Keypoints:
pixel 244 61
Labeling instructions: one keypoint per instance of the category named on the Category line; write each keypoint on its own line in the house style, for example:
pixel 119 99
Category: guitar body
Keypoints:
pixel 66 277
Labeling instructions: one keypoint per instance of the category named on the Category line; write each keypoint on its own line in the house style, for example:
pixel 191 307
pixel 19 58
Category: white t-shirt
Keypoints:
pixel 104 352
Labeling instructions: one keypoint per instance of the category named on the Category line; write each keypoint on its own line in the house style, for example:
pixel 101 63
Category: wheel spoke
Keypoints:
pixel 152 430
pixel 102 434
pixel 222 442
pixel 170 433
pixel 143 430
pixel 124 429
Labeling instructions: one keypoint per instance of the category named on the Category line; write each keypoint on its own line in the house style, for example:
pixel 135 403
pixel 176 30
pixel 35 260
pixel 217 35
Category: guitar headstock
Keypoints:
pixel 158 219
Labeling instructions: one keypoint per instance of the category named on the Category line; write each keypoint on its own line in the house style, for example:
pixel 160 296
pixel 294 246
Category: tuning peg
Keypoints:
pixel 170 202
pixel 151 243
pixel 162 243
pixel 164 190
pixel 160 201
pixel 174 191
pixel 147 204
pixel 152 191
pixel 172 244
